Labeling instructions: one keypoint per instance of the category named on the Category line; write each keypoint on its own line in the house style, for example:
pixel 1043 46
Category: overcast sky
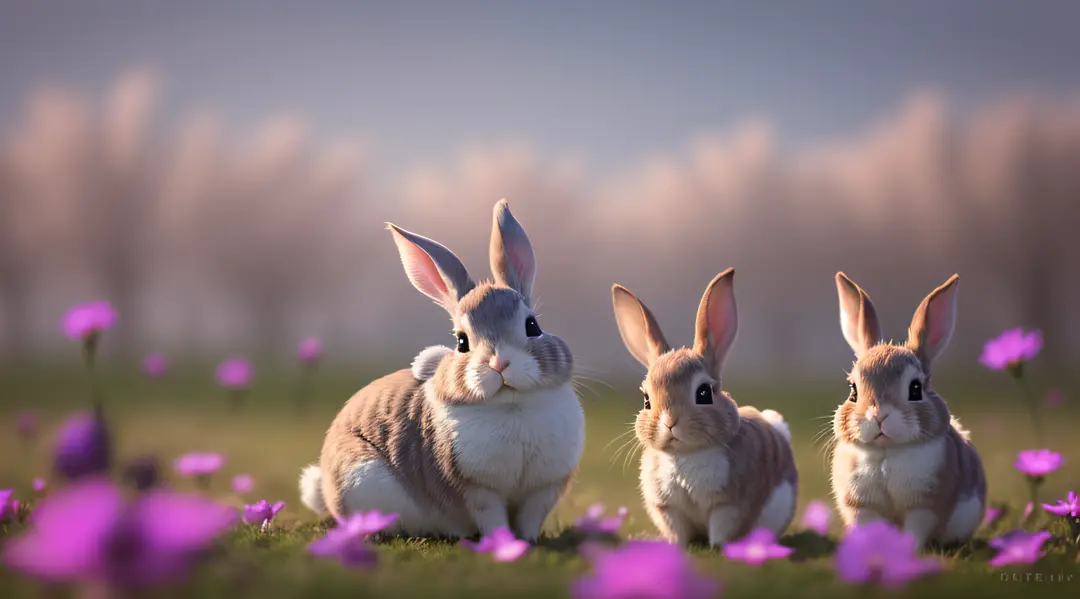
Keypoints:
pixel 611 81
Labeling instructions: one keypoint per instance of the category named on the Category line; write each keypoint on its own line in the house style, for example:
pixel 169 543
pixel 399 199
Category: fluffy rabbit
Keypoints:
pixel 900 456
pixel 469 439
pixel 710 469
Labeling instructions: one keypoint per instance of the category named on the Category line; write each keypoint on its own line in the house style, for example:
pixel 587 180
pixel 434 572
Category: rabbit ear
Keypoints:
pixel 858 318
pixel 638 326
pixel 512 261
pixel 717 321
pixel 934 321
pixel 431 268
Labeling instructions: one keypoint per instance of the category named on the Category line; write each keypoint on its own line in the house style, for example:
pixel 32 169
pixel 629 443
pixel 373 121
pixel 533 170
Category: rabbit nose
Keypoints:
pixel 667 419
pixel 498 364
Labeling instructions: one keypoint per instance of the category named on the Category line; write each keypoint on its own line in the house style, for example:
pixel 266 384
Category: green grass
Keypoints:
pixel 272 442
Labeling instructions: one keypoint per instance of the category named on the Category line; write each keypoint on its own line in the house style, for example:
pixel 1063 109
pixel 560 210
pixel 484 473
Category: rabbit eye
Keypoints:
pixel 462 342
pixel 854 395
pixel 703 396
pixel 532 328
pixel 915 391
pixel 648 406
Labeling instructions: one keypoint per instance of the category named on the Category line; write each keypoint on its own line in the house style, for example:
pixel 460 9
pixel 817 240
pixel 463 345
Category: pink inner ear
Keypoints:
pixel 936 324
pixel 421 270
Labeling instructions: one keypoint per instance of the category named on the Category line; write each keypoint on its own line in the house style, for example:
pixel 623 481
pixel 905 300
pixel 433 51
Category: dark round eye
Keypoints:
pixel 854 395
pixel 914 391
pixel 532 328
pixel 648 406
pixel 703 395
pixel 462 342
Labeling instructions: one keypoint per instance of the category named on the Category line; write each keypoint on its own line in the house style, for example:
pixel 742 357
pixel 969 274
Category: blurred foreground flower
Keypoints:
pixel 878 553
pixel 594 522
pixel 155 366
pixel 83 447
pixel 89 533
pixel 757 548
pixel 262 512
pixel 990 516
pixel 644 570
pixel 1009 351
pixel 40 485
pixel 235 375
pixel 6 507
pixel 26 425
pixel 1068 507
pixel 501 544
pixel 817 516
pixel 1018 547
pixel 199 466
pixel 347 543
pixel 243 483
pixel 1036 464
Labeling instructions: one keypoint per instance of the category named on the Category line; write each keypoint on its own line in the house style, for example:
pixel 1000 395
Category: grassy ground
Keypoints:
pixel 270 441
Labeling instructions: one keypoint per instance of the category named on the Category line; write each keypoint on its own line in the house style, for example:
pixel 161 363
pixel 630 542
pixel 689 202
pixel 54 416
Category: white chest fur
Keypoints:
pixel 693 483
pixel 890 479
pixel 516 441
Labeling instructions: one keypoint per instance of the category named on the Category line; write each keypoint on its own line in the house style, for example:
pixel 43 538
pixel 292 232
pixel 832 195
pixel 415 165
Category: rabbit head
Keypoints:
pixel 684 408
pixel 498 341
pixel 891 401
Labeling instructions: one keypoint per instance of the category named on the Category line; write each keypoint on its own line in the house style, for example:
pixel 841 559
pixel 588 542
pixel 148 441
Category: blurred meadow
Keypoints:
pixel 221 176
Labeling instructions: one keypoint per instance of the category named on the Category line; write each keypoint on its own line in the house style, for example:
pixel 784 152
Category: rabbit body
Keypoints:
pixel 465 441
pixel 899 454
pixel 709 469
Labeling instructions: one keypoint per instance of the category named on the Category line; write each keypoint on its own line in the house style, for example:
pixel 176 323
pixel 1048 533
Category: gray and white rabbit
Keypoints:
pixel 471 438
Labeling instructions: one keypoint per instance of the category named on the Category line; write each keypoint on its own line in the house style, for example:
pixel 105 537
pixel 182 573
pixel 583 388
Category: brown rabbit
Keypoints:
pixel 709 469
pixel 469 439
pixel 900 456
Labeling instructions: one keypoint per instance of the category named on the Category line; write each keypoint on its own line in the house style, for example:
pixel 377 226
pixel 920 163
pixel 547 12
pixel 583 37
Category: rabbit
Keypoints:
pixel 710 470
pixel 900 456
pixel 470 439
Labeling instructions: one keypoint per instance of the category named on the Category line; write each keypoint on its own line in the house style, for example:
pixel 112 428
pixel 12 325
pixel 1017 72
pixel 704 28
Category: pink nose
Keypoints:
pixel 668 420
pixel 498 364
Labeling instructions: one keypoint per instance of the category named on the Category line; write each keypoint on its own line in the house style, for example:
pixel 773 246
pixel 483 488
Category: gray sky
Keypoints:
pixel 611 81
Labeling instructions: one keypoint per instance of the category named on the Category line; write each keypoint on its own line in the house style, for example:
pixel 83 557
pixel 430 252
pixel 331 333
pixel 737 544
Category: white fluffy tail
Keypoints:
pixel 311 493
pixel 778 422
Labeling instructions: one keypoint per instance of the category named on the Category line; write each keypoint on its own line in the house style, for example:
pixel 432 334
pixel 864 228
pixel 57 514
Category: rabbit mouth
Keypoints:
pixel 881 439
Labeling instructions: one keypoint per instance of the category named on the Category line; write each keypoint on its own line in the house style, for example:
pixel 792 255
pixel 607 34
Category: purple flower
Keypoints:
pixel 26 425
pixel 155 365
pixel 87 320
pixel 262 512
pixel 83 447
pixel 348 542
pixel 1030 507
pixel 310 350
pixel 1054 397
pixel 89 533
pixel 199 464
pixel 6 506
pixel 1018 547
pixel 877 552
pixel 142 473
pixel 235 373
pixel 644 570
pixel 1037 462
pixel 757 548
pixel 991 515
pixel 1011 348
pixel 243 483
pixel 1070 506
pixel 594 522
pixel 40 485
pixel 501 543
pixel 817 516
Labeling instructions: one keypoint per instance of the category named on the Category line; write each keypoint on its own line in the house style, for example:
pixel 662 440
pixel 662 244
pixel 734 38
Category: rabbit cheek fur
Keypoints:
pixel 926 477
